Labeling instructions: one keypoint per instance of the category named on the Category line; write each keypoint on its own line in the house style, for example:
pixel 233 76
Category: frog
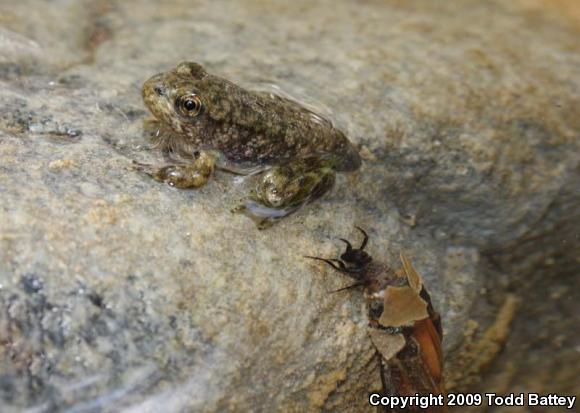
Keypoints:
pixel 205 122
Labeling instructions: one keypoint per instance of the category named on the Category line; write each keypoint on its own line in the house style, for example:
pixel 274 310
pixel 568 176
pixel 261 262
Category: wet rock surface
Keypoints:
pixel 118 293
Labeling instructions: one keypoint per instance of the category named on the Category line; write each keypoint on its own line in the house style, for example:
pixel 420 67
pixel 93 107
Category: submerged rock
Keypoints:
pixel 118 293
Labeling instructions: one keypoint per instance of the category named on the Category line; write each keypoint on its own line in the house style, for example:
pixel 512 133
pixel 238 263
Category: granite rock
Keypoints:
pixel 118 293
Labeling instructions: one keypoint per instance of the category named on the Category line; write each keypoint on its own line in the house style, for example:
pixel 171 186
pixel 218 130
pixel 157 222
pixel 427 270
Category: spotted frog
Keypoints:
pixel 206 122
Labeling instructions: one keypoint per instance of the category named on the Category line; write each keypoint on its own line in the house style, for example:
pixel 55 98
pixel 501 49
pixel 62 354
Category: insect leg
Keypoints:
pixel 358 284
pixel 348 245
pixel 365 240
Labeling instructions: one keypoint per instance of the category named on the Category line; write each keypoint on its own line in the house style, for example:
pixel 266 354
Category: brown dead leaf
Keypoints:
pixel 415 281
pixel 387 344
pixel 402 306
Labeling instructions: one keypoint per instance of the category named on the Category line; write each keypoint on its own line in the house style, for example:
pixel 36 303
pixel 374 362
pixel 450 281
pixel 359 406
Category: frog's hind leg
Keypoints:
pixel 286 188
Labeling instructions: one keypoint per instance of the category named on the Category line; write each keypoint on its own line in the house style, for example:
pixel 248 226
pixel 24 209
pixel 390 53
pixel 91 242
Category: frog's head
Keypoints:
pixel 184 97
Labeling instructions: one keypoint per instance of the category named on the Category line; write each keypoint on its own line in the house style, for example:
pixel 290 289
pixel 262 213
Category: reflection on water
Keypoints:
pixel 319 112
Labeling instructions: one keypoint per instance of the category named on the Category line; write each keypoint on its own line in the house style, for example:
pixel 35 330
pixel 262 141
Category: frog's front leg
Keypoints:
pixel 285 188
pixel 193 174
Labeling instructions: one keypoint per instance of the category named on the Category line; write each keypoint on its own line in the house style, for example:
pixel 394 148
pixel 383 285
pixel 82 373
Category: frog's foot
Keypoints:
pixel 191 175
pixel 263 216
pixel 284 189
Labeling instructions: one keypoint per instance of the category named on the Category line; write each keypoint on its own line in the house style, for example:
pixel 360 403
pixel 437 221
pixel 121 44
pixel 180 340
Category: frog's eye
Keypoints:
pixel 190 105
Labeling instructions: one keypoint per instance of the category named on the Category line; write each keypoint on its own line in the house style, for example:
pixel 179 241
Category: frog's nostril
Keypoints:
pixel 159 91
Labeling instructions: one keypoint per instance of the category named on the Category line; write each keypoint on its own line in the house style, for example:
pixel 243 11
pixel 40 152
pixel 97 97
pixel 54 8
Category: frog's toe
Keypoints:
pixel 238 209
pixel 262 215
pixel 265 223
pixel 142 167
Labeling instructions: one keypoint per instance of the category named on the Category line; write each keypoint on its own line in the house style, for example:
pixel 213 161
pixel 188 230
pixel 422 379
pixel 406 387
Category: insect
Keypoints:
pixel 404 327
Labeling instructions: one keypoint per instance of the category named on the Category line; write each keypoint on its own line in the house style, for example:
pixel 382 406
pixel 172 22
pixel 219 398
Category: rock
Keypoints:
pixel 122 294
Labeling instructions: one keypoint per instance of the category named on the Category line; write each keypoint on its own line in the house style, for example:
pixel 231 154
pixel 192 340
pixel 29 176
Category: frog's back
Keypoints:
pixel 246 126
pixel 280 128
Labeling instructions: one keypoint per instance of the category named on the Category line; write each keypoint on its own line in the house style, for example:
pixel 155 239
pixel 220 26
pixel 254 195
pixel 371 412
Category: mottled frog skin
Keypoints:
pixel 201 114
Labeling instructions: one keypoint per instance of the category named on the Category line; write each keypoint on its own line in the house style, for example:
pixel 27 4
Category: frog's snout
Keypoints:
pixel 155 96
pixel 153 87
pixel 160 90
